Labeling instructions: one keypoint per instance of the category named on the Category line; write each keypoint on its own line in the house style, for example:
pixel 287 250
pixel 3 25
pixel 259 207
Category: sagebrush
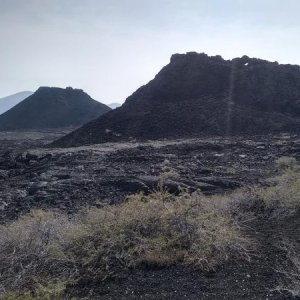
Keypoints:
pixel 44 248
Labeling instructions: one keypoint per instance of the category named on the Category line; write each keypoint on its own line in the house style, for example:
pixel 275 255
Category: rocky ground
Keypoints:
pixel 34 176
pixel 18 141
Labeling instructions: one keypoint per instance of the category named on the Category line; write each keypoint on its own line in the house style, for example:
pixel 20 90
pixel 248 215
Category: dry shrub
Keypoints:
pixel 158 229
pixel 243 204
pixel 279 199
pixel 282 198
pixel 286 162
pixel 291 268
pixel 42 250
pixel 27 252
pixel 49 292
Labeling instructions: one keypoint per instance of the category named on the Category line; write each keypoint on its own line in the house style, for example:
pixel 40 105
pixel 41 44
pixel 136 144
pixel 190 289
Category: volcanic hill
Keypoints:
pixel 199 95
pixel 51 107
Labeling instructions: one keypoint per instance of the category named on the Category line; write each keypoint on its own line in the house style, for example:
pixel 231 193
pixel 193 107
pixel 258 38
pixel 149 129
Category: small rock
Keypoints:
pixel 35 186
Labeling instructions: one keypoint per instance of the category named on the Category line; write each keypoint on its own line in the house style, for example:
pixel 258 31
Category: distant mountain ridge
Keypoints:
pixel 114 105
pixel 51 107
pixel 10 101
pixel 198 95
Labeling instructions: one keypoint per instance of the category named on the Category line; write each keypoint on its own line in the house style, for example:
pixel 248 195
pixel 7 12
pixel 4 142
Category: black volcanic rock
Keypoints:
pixel 51 107
pixel 196 95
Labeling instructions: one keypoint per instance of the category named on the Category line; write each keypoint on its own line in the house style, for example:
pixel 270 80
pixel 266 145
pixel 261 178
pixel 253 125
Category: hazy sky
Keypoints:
pixel 111 47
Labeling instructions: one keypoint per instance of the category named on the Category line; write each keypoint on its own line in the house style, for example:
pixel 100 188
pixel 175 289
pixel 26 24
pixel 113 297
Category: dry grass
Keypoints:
pixel 286 162
pixel 49 292
pixel 291 269
pixel 158 229
pixel 282 201
pixel 282 197
pixel 42 249
pixel 27 256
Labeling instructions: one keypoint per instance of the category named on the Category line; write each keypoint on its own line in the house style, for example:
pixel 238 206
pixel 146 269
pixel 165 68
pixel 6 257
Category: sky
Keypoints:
pixel 109 48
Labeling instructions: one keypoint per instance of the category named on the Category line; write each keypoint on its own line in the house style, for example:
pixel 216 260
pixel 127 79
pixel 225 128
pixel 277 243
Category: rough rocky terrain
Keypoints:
pixel 196 95
pixel 34 176
pixel 52 107
pixel 74 177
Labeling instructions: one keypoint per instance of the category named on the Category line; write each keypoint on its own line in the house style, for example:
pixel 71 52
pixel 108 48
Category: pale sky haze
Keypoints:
pixel 109 48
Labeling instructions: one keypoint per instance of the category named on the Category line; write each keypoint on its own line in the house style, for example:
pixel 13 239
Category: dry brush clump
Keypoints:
pixel 278 198
pixel 158 229
pixel 282 196
pixel 54 291
pixel 42 251
pixel 281 201
pixel 289 268
pixel 27 254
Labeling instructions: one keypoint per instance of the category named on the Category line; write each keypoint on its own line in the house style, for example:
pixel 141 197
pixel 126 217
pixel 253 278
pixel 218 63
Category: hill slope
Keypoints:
pixel 52 108
pixel 198 95
pixel 8 102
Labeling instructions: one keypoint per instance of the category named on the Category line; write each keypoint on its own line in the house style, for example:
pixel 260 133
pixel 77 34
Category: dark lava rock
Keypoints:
pixel 36 186
pixel 52 108
pixel 71 179
pixel 197 95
